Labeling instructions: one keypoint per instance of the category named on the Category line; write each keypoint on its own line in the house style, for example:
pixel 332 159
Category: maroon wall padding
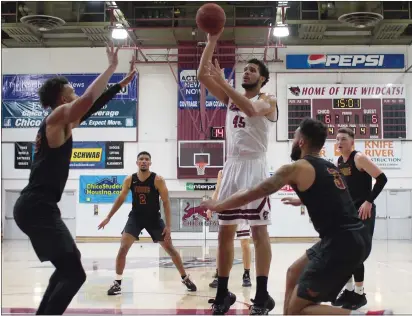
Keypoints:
pixel 189 120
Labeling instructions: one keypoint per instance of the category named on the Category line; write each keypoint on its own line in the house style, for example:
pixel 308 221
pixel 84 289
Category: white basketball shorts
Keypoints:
pixel 241 174
pixel 243 231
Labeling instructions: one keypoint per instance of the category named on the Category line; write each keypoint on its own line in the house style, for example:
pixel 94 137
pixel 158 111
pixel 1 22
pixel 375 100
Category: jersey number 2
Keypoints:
pixel 142 198
pixel 239 122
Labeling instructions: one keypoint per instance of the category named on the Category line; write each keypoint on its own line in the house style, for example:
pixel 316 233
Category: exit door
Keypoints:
pixel 67 207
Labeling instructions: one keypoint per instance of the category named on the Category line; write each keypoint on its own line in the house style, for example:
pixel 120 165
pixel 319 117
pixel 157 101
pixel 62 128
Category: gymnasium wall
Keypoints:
pixel 157 131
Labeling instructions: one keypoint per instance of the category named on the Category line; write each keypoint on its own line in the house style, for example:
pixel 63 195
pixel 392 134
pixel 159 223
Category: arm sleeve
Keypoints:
pixel 102 100
pixel 378 187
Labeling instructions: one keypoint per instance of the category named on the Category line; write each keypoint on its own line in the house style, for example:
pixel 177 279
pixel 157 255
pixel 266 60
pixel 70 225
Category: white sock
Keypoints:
pixel 118 277
pixel 350 286
pixel 357 313
pixel 359 290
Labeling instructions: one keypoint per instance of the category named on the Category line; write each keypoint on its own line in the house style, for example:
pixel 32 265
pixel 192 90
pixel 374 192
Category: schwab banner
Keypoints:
pixel 101 189
pixel 346 61
pixel 85 155
pixel 21 107
pixel 190 88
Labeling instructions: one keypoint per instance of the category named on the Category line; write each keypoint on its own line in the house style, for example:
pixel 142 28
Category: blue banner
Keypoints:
pixel 29 114
pixel 25 87
pixel 101 189
pixel 190 88
pixel 85 155
pixel 21 107
pixel 346 61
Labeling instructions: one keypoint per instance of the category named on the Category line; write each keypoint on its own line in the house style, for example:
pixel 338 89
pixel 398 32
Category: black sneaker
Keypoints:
pixel 115 289
pixel 344 297
pixel 356 302
pixel 223 307
pixel 213 284
pixel 246 280
pixel 189 284
pixel 262 309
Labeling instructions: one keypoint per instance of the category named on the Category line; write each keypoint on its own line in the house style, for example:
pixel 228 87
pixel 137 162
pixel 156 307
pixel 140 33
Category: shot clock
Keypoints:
pixel 372 111
pixel 217 133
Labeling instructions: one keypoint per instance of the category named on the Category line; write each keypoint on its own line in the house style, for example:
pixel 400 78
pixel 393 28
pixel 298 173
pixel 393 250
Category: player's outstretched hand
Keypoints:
pixel 209 214
pixel 291 201
pixel 103 223
pixel 112 54
pixel 131 74
pixel 214 38
pixel 215 71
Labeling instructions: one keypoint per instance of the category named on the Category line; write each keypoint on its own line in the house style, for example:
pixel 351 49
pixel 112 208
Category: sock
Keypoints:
pixel 119 278
pixel 350 286
pixel 216 275
pixel 183 276
pixel 247 271
pixel 222 290
pixel 359 290
pixel 261 290
pixel 356 313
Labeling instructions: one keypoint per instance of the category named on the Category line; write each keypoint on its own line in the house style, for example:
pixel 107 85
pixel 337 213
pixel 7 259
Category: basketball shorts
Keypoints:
pixel 41 221
pixel 243 231
pixel 369 222
pixel 332 261
pixel 241 174
pixel 135 224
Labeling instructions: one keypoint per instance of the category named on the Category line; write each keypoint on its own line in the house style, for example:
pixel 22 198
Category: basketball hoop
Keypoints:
pixel 200 167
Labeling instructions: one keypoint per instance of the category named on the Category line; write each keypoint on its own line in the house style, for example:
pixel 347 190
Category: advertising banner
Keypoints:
pixel 191 90
pixel 331 91
pixel 85 155
pixel 345 61
pixel 386 154
pixel 21 107
pixel 101 189
pixel 200 186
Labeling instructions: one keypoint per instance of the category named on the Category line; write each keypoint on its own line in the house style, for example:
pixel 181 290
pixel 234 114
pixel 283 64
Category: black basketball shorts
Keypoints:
pixel 369 222
pixel 331 263
pixel 135 224
pixel 41 221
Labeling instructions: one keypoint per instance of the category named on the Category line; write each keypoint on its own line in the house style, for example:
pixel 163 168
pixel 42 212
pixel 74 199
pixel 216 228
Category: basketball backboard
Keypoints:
pixel 192 152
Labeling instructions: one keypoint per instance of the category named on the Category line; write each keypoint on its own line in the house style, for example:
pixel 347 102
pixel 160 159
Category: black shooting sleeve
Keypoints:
pixel 378 187
pixel 102 100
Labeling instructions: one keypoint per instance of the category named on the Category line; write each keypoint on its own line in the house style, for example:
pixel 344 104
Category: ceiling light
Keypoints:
pixel 281 30
pixel 119 32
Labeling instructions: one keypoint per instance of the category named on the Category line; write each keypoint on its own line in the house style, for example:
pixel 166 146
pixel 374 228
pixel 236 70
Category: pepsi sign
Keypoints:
pixel 345 61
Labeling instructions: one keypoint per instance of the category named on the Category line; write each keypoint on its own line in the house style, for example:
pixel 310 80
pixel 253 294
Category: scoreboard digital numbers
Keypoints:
pixel 372 111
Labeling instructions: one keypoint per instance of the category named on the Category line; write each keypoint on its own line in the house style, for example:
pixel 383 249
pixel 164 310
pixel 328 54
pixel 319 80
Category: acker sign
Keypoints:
pixel 345 61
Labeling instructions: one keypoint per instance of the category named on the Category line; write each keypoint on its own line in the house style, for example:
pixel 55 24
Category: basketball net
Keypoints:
pixel 200 167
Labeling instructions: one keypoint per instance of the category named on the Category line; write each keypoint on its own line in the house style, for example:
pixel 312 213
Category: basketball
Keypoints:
pixel 210 18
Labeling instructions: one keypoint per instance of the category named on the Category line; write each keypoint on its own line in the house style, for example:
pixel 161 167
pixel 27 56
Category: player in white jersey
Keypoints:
pixel 248 119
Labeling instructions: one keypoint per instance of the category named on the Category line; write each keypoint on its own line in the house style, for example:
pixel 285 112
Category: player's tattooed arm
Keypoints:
pixel 283 176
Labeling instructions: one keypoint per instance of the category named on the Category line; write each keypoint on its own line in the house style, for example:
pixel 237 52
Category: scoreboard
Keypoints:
pixel 372 111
